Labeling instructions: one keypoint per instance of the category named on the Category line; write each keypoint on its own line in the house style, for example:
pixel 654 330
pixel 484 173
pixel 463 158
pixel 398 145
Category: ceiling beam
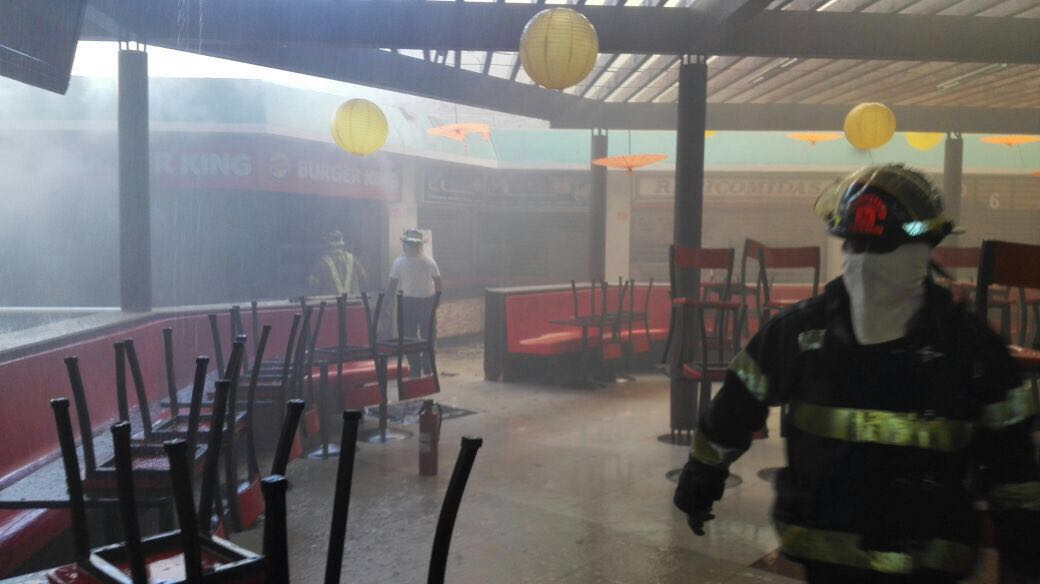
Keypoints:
pixel 483 26
pixel 796 117
pixel 897 37
pixel 386 70
pixel 394 72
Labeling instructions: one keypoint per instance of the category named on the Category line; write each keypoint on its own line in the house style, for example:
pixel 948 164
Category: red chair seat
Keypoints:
pixel 1027 358
pixel 311 422
pixel 639 343
pixel 416 388
pixel 612 351
pixel 553 343
pixel 694 373
pixel 23 533
pixel 250 503
pixel 782 302
pixel 659 333
pixel 356 398
pixel 359 373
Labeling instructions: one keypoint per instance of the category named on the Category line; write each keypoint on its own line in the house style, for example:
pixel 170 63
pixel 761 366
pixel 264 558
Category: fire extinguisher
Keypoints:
pixel 430 416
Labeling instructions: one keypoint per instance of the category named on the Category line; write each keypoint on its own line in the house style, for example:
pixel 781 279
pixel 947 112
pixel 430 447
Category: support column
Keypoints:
pixel 598 210
pixel 953 175
pixel 135 244
pixel 689 163
pixel 689 210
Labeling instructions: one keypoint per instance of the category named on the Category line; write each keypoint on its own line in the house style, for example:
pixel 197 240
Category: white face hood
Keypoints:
pixel 885 290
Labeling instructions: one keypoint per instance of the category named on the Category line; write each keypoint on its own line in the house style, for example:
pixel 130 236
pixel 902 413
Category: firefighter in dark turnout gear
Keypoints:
pixel 903 409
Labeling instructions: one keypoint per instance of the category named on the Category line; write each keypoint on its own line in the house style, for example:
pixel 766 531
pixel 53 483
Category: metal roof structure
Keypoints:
pixel 941 65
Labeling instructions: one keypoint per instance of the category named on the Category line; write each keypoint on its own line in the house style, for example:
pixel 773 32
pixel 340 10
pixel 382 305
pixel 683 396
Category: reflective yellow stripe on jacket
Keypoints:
pixel 838 547
pixel 713 454
pixel 1017 407
pixel 747 369
pixel 1016 496
pixel 881 427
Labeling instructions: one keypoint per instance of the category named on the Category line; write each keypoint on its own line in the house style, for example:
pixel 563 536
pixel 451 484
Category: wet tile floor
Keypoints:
pixel 569 486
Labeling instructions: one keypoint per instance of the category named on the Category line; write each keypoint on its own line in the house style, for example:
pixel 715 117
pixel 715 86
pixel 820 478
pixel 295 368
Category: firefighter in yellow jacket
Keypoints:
pixel 903 409
pixel 337 271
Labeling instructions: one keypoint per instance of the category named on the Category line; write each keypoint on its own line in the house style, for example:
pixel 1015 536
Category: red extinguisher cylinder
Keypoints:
pixel 429 436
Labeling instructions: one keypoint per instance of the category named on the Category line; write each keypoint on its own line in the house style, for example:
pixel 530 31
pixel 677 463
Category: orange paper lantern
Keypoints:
pixel 629 162
pixel 1012 140
pixel 814 138
pixel 458 132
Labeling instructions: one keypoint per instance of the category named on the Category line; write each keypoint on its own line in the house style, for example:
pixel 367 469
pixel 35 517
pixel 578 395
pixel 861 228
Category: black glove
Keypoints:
pixel 700 485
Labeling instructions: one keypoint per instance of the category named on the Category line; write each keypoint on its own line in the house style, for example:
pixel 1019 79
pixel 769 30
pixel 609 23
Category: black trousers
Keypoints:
pixel 416 319
pixel 818 573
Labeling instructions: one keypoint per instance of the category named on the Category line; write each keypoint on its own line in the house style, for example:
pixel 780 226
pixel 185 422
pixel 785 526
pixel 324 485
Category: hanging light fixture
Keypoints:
pixel 558 48
pixel 629 162
pixel 359 127
pixel 459 132
pixel 924 140
pixel 1010 140
pixel 869 125
pixel 814 138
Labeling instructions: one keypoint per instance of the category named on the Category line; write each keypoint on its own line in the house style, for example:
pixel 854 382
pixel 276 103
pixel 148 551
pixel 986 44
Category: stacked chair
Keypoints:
pixel 192 553
pixel 704 336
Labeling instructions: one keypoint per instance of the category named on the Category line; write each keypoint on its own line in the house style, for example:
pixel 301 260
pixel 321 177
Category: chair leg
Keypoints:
pixel 450 509
pixel 433 369
pixel 234 517
pixel 704 398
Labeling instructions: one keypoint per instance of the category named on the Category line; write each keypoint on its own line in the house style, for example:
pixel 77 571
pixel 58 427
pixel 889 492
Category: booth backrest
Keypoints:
pixel 660 305
pixel 28 383
pixel 527 314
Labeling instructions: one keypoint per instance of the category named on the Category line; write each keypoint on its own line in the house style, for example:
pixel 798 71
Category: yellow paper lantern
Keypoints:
pixel 869 125
pixel 558 48
pixel 359 127
pixel 924 140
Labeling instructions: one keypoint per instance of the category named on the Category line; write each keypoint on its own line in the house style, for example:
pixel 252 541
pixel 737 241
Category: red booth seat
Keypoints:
pixel 24 533
pixel 361 387
pixel 528 315
pixel 551 343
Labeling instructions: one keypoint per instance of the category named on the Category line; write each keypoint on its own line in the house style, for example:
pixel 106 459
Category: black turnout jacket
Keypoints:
pixel 889 446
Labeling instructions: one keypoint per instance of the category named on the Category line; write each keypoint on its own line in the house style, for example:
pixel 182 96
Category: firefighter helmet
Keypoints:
pixel 885 206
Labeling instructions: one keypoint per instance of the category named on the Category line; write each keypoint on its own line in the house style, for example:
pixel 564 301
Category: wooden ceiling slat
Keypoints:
pixel 1020 98
pixel 737 78
pixel 665 81
pixel 852 86
pixel 929 93
pixel 888 6
pixel 822 69
pixel 794 77
pixel 650 70
pixel 924 85
pixel 736 70
pixel 928 6
pixel 851 76
pixel 1009 8
pixel 993 90
pixel 894 85
pixel 849 5
pixel 969 7
pixel 821 80
pixel 601 62
pixel 956 96
pixel 788 79
pixel 1024 99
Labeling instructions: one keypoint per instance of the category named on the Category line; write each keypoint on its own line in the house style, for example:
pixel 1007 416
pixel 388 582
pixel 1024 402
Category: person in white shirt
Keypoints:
pixel 419 279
